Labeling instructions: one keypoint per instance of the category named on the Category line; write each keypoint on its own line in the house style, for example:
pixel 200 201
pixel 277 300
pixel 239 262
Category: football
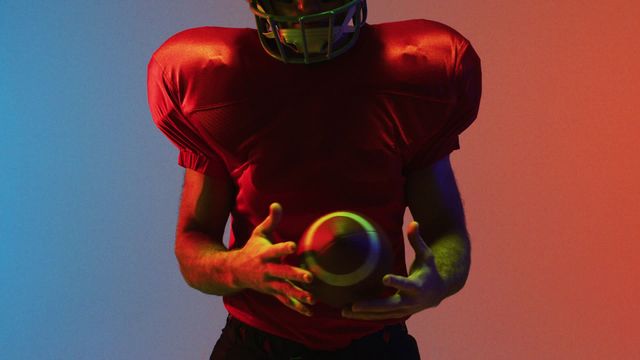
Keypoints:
pixel 348 255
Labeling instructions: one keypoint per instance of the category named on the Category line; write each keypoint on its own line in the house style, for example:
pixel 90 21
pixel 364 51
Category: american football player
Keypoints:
pixel 316 111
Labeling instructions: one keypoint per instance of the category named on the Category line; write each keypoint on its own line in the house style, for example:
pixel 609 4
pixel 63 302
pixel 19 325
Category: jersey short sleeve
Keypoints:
pixel 194 152
pixel 467 86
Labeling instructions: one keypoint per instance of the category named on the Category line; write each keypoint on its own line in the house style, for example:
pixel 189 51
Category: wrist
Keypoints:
pixel 231 270
pixel 451 262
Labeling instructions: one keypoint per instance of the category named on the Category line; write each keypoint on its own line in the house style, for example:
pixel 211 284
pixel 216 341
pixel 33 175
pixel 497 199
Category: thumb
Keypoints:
pixel 273 219
pixel 419 246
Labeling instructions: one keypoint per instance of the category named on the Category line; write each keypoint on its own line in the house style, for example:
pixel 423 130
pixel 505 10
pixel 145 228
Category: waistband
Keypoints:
pixel 248 333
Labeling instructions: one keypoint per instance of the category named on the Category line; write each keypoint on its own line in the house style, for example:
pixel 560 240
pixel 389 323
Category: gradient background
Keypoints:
pixel 549 175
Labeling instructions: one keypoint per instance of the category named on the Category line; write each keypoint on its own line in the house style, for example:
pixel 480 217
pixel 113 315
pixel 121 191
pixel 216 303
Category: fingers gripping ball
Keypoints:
pixel 348 255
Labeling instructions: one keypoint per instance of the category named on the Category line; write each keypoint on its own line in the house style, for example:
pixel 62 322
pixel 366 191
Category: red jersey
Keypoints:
pixel 316 138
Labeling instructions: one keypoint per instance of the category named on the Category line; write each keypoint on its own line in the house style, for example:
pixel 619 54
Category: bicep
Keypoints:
pixel 434 200
pixel 205 203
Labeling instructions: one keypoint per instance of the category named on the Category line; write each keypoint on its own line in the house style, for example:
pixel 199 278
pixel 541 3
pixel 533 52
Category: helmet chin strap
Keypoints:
pixel 316 37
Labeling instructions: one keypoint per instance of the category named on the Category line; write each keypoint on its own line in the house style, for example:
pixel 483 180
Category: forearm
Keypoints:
pixel 452 255
pixel 205 264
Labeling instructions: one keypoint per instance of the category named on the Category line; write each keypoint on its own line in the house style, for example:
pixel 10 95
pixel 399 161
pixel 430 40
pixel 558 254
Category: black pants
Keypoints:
pixel 240 341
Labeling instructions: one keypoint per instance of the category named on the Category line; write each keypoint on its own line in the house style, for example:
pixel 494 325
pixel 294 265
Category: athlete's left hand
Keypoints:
pixel 422 289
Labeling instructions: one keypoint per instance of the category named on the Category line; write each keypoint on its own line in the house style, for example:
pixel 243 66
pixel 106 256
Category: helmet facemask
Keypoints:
pixel 320 37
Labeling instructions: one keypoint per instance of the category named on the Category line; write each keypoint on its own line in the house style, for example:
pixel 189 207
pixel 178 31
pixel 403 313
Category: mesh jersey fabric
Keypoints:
pixel 318 138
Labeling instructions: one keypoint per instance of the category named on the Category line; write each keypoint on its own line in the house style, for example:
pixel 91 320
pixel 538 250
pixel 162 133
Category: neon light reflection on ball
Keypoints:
pixel 357 275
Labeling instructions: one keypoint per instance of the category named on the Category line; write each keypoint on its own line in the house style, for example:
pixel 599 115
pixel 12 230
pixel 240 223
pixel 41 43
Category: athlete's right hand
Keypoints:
pixel 257 266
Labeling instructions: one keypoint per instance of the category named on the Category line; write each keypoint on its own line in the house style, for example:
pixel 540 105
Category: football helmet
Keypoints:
pixel 309 38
